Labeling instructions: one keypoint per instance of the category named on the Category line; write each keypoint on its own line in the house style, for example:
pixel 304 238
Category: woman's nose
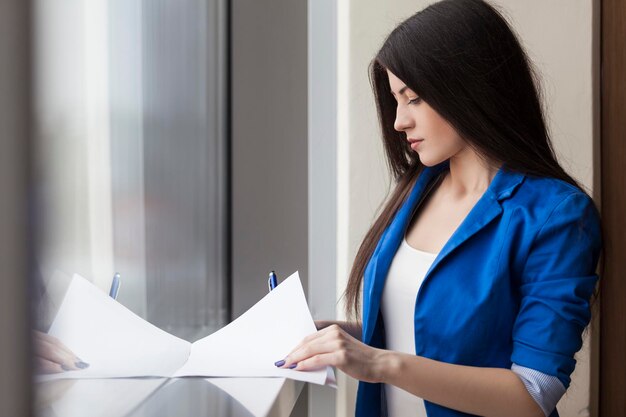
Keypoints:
pixel 403 120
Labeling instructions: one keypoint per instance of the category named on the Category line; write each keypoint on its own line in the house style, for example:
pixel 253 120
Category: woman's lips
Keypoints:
pixel 415 143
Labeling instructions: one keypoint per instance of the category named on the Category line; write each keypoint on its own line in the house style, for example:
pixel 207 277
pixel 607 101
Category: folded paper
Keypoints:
pixel 117 343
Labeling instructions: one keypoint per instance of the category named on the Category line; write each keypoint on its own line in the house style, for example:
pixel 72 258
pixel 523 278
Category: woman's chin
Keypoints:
pixel 429 162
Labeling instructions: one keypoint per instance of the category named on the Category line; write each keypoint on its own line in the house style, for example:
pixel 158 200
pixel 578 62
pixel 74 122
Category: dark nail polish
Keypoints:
pixel 293 365
pixel 65 367
pixel 279 363
pixel 82 365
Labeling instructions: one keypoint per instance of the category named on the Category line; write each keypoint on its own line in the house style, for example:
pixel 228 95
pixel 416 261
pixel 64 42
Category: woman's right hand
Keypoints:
pixel 52 356
pixel 352 328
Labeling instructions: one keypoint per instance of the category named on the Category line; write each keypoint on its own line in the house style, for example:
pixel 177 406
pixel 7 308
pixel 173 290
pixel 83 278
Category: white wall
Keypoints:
pixel 564 55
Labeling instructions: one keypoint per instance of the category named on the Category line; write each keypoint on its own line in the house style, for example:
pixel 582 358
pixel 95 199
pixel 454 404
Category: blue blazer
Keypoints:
pixel 512 284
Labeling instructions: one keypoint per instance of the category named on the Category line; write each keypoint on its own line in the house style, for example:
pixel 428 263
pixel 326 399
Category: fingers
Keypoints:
pixel 316 362
pixel 56 343
pixel 50 349
pixel 44 366
pixel 50 344
pixel 334 347
pixel 325 332
pixel 53 353
pixel 312 349
pixel 323 341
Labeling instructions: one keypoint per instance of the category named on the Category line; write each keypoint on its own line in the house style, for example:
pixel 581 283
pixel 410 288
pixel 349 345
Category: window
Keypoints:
pixel 131 154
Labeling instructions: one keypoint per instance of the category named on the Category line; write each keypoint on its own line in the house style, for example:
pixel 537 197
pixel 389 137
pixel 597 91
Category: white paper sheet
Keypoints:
pixel 264 334
pixel 117 343
pixel 112 339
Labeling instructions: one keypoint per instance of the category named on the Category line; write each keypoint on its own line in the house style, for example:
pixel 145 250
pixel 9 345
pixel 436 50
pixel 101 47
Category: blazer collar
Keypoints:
pixel 485 210
pixel 504 183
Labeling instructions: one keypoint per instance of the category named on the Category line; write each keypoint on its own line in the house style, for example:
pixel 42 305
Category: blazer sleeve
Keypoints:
pixel 556 285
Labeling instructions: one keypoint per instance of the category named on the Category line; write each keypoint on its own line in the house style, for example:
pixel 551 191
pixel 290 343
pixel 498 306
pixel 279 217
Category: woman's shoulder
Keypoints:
pixel 548 191
pixel 542 198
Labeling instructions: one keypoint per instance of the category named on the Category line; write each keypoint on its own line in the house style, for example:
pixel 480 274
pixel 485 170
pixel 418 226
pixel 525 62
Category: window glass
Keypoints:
pixel 131 155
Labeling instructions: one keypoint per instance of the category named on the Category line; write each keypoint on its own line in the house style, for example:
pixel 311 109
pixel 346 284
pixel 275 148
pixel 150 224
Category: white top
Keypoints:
pixel 406 274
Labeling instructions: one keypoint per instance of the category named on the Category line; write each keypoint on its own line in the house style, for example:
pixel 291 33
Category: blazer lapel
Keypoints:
pixel 378 266
pixel 484 211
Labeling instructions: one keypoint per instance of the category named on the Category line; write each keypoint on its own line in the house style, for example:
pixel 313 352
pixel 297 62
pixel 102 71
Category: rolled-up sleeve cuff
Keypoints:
pixel 545 389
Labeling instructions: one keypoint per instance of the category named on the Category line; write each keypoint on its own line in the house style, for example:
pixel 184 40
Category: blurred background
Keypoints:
pixel 193 146
pixel 131 154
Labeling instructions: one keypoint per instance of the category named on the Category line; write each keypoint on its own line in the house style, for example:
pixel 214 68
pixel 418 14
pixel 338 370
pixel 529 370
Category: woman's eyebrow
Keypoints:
pixel 401 90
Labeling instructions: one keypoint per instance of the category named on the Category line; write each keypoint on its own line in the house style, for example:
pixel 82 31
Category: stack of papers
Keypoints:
pixel 117 343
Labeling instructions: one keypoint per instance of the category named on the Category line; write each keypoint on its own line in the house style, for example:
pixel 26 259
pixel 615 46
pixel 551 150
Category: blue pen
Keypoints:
pixel 115 286
pixel 272 282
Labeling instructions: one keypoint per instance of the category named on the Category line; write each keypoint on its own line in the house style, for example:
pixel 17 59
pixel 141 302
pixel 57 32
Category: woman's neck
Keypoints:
pixel 470 174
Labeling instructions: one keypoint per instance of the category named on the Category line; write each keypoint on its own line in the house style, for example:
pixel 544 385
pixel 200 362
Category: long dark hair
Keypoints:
pixel 463 59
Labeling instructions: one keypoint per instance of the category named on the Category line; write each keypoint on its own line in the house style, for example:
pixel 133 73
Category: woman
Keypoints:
pixel 477 275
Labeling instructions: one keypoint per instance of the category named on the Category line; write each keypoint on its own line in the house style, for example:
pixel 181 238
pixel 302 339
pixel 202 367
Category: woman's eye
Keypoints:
pixel 415 100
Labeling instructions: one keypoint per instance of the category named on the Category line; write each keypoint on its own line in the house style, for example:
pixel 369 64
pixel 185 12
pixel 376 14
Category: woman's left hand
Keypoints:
pixel 335 347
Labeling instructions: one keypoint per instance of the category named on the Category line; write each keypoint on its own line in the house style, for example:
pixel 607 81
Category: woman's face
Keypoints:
pixel 429 134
